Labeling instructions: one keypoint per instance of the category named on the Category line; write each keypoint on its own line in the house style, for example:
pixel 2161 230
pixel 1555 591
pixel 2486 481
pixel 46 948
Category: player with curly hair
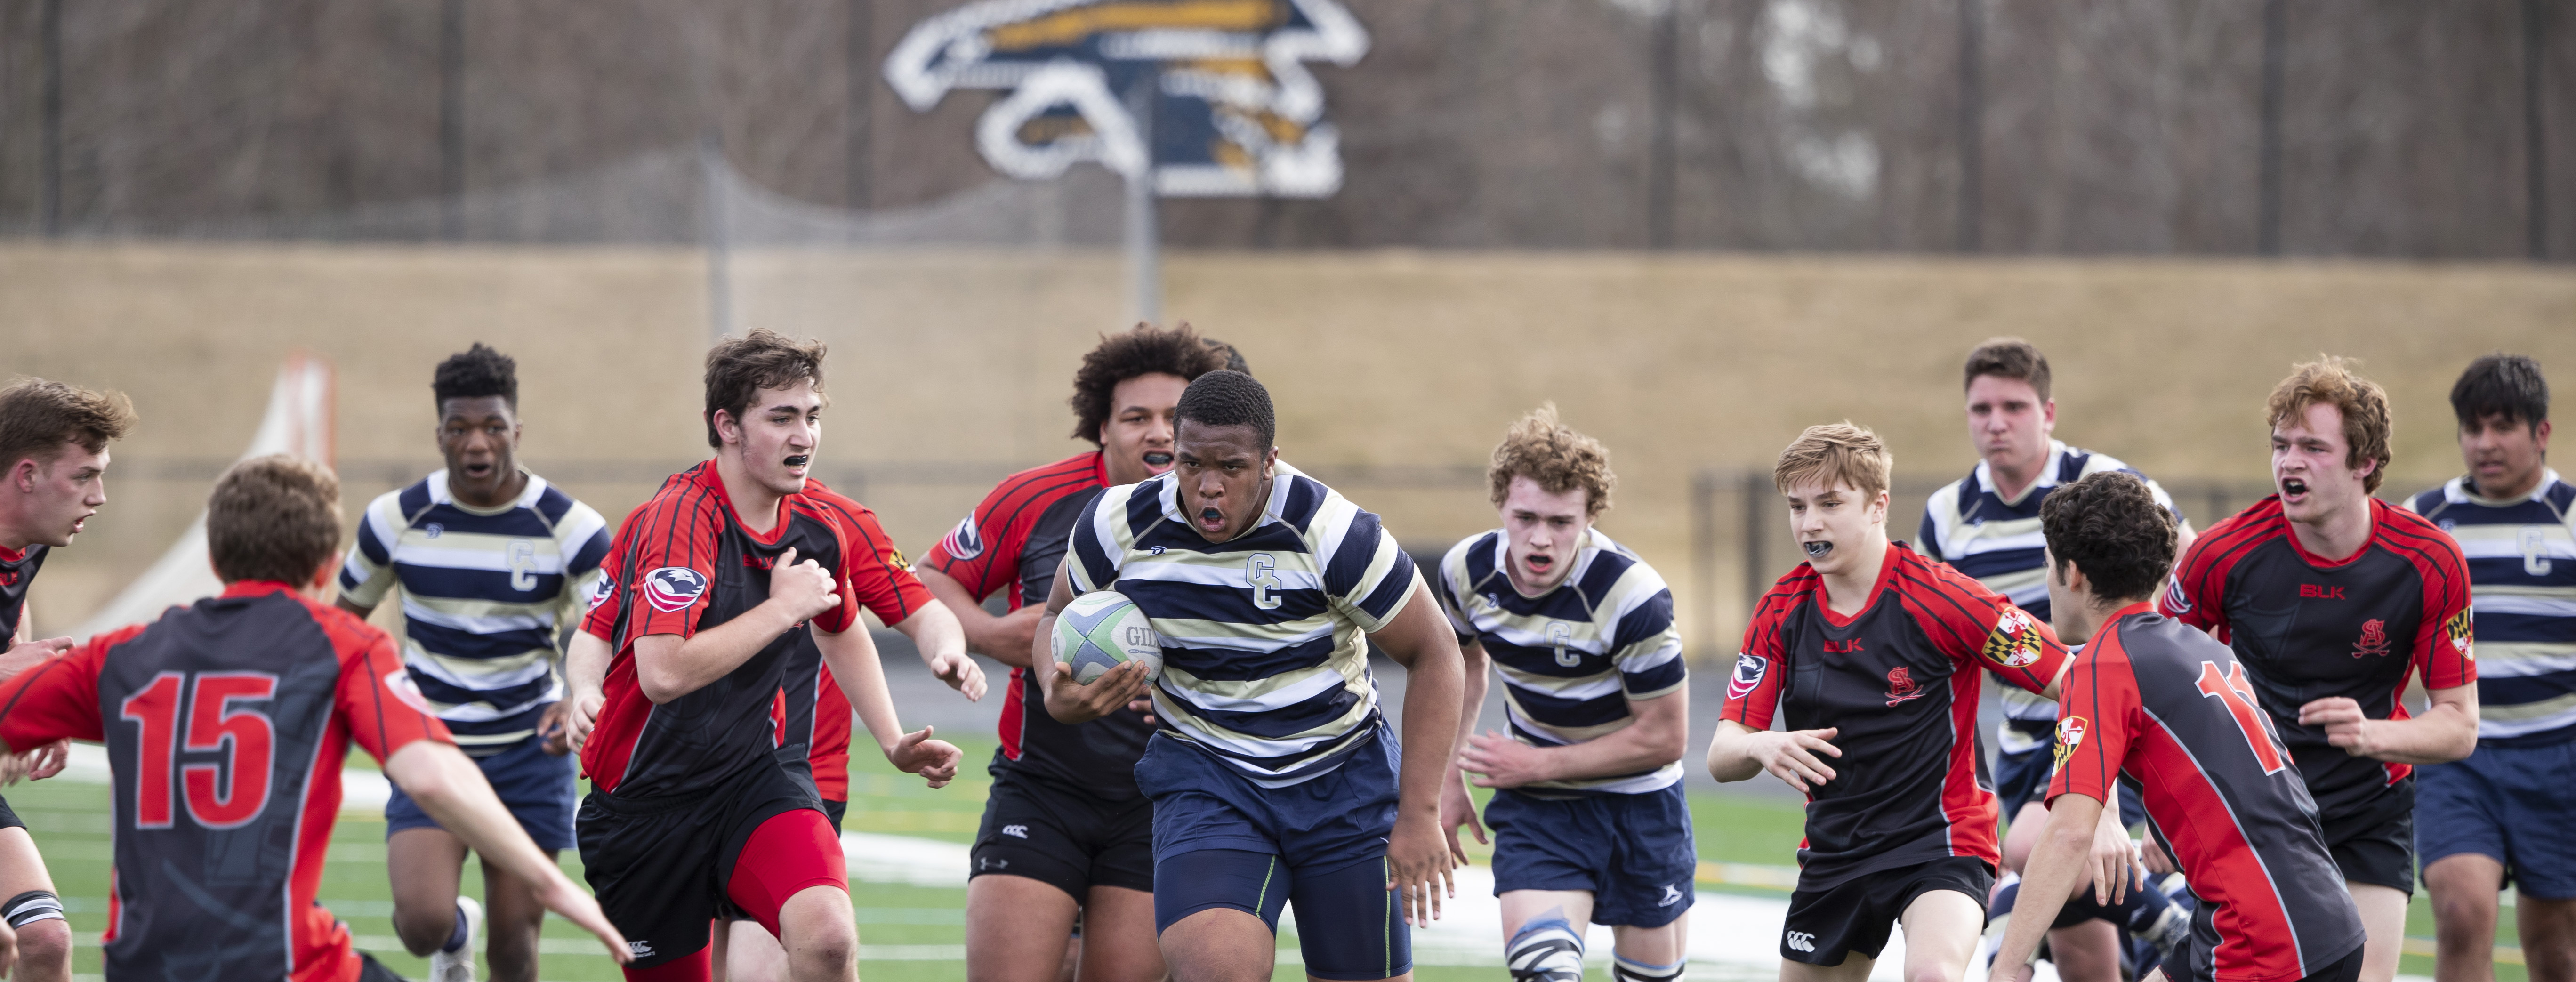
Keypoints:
pixel 2331 599
pixel 1590 822
pixel 1066 839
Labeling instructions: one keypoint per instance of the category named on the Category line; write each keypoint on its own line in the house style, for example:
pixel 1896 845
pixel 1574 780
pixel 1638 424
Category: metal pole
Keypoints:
pixel 718 236
pixel 51 32
pixel 2534 135
pixel 2276 30
pixel 1665 95
pixel 1757 494
pixel 1144 232
pixel 1972 113
pixel 451 118
pixel 862 120
pixel 1704 557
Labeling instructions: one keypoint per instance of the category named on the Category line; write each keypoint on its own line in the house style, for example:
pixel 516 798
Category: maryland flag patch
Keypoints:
pixel 2014 643
pixel 2460 629
pixel 2070 735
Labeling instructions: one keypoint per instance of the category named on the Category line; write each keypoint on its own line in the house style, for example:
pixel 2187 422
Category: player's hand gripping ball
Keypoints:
pixel 1102 630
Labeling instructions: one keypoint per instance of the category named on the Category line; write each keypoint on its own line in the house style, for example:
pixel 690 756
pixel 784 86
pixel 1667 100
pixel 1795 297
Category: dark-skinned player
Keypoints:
pixel 1275 777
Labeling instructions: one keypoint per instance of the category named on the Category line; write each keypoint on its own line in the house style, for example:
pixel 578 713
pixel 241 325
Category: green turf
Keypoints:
pixel 69 822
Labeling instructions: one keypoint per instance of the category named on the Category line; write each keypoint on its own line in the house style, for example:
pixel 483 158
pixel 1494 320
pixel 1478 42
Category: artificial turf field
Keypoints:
pixel 906 933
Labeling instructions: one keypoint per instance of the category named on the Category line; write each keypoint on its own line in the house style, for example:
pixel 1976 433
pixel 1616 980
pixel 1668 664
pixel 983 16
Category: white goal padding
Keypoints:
pixel 301 408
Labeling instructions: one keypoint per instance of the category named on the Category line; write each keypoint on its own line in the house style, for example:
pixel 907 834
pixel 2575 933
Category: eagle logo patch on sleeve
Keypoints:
pixel 599 593
pixel 1747 677
pixel 673 589
pixel 2070 735
pixel 965 541
pixel 2014 642
pixel 2461 629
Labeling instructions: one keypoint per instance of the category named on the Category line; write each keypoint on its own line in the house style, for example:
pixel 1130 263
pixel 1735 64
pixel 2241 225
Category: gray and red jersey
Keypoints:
pixel 683 563
pixel 226 723
pixel 17 570
pixel 1900 680
pixel 2307 628
pixel 2159 706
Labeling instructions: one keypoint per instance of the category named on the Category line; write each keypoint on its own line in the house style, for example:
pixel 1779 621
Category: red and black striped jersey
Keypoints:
pixel 812 712
pixel 17 569
pixel 682 563
pixel 1900 681
pixel 1012 543
pixel 2308 629
pixel 226 723
pixel 2159 706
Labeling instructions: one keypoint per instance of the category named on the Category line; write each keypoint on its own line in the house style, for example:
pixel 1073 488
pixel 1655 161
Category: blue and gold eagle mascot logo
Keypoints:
pixel 1235 110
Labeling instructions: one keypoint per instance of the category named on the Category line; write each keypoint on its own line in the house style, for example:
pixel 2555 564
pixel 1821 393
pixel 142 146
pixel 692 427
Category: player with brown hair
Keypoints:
pixel 1590 821
pixel 226 723
pixel 1877 654
pixel 2331 598
pixel 724 582
pixel 53 446
pixel 1066 837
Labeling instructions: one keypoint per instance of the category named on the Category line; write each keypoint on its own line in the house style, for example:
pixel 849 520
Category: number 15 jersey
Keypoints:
pixel 225 724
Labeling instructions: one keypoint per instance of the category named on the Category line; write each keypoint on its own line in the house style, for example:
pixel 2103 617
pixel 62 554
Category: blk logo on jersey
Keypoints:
pixel 2318 591
pixel 1901 686
pixel 673 589
pixel 599 593
pixel 2015 641
pixel 1747 677
pixel 2374 639
pixel 1843 647
pixel 2460 629
pixel 2070 735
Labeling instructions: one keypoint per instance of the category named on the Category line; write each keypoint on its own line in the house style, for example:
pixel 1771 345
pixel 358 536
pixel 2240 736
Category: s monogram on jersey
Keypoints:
pixel 1572 658
pixel 1263 660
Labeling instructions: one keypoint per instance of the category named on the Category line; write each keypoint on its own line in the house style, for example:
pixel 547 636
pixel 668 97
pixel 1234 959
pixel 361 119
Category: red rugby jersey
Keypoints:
pixel 2307 629
pixel 1900 679
pixel 877 575
pixel 684 562
pixel 2160 706
pixel 226 723
pixel 1013 542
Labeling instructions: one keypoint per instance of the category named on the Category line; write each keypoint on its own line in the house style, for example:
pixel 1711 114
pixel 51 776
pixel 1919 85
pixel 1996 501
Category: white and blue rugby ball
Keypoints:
pixel 1101 630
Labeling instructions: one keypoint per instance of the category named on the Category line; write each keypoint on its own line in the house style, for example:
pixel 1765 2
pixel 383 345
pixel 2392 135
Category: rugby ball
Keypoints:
pixel 1099 631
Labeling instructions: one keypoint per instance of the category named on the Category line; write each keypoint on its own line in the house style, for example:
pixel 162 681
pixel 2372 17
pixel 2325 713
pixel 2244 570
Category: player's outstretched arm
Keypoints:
pixel 2064 859
pixel 668 666
pixel 1457 807
pixel 935 633
pixel 1659 735
pixel 1739 752
pixel 2447 731
pixel 452 790
pixel 1003 639
pixel 1418 861
pixel 852 656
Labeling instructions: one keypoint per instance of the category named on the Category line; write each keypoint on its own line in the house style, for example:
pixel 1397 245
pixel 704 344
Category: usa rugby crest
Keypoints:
pixel 672 589
pixel 1235 110
pixel 1747 677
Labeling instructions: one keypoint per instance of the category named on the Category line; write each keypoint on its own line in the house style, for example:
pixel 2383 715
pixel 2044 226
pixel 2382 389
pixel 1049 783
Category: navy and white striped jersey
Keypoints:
pixel 484 594
pixel 1574 657
pixel 1998 543
pixel 2522 591
pixel 1263 660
